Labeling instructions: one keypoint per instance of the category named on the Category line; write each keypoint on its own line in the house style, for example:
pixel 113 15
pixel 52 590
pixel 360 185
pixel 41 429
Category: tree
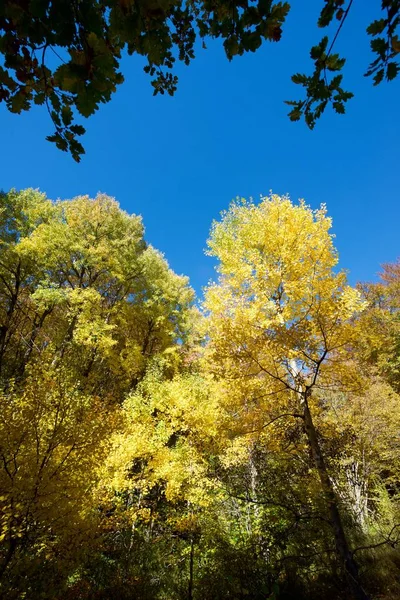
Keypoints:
pixel 20 214
pixel 155 482
pixel 153 449
pixel 66 55
pixel 381 327
pixel 87 308
pixel 80 285
pixel 52 439
pixel 280 328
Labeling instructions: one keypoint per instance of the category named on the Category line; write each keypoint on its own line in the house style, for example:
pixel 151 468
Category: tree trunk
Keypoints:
pixel 3 336
pixel 191 565
pixel 342 546
pixel 37 326
pixel 4 329
pixel 357 490
pixel 7 559
pixel 59 355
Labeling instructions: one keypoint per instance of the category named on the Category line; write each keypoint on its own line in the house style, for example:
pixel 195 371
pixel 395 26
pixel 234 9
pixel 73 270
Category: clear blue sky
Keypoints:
pixel 179 161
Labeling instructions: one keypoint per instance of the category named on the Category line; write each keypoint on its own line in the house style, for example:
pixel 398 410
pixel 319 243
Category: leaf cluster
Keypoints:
pixel 66 55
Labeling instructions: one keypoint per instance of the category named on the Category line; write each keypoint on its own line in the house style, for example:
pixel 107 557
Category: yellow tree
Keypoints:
pixel 280 327
pixel 156 479
pixel 381 324
pixel 52 438
pixel 85 306
pixel 20 214
pixel 365 428
pixel 79 284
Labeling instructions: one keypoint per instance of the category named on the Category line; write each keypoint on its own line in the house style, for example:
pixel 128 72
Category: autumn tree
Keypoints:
pixel 280 328
pixel 80 285
pixel 19 215
pixel 381 324
pixel 87 306
pixel 67 56
pixel 155 483
pixel 247 450
pixel 270 410
pixel 52 441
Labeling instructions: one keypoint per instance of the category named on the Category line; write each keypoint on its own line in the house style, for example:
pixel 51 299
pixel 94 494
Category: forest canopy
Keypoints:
pixel 155 447
pixel 65 55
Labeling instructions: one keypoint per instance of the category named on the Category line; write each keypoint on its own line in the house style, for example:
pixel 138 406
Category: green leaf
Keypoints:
pixel 66 78
pixel 379 76
pixel 327 14
pixel 336 81
pixel 231 46
pixel 376 27
pixel 392 71
pixel 335 63
pixel 39 98
pixel 56 118
pixel 379 46
pixel 299 78
pixel 76 150
pixel 59 141
pixel 280 11
pixel 251 41
pixel 86 103
pixel 78 129
pixel 339 107
pixel 316 52
pixel 19 102
pixel 7 80
pixel 66 115
pixel 295 114
pixel 55 101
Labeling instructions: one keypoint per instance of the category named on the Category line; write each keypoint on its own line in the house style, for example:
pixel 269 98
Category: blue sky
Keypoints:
pixel 179 161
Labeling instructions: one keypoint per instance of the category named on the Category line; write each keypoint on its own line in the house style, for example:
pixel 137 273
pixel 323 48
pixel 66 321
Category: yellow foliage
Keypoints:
pixel 168 427
pixel 52 437
pixel 280 316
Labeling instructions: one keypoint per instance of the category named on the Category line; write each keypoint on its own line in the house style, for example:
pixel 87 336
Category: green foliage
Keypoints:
pixel 87 43
pixel 79 283
pixel 386 46
pixel 320 91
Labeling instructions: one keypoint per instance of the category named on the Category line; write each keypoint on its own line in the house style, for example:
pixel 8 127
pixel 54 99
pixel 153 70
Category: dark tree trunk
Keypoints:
pixel 191 564
pixel 341 543
pixel 37 326
pixel 3 337
pixel 7 559
pixel 4 329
